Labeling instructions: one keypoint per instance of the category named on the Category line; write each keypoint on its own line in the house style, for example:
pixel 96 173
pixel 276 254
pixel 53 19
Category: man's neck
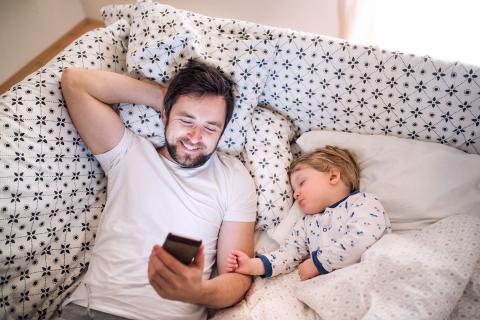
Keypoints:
pixel 163 151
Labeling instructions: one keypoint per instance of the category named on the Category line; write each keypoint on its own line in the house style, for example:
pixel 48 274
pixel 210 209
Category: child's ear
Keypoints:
pixel 334 176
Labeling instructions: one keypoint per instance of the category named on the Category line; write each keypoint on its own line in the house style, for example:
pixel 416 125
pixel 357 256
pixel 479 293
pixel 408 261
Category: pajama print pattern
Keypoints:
pixel 334 239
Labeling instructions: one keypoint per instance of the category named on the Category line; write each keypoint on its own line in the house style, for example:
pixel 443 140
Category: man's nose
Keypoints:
pixel 195 134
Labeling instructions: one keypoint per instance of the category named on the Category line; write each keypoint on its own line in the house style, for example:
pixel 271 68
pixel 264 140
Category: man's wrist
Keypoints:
pixel 153 94
pixel 158 97
pixel 205 291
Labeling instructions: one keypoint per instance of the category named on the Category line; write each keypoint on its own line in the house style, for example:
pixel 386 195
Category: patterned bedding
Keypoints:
pixel 53 190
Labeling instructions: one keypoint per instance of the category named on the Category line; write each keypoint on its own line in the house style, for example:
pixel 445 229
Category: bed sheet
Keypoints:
pixel 433 273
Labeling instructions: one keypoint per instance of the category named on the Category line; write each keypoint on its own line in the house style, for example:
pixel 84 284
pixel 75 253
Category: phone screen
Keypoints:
pixel 182 248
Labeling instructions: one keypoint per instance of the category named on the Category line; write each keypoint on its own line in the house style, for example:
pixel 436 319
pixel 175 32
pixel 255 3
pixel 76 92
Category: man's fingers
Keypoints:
pixel 159 273
pixel 199 260
pixel 173 280
pixel 168 260
pixel 162 288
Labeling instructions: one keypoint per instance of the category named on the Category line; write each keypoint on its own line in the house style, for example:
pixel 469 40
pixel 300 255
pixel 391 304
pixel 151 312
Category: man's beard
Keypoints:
pixel 188 161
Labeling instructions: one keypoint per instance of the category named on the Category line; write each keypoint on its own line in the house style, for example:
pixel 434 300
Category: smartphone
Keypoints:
pixel 182 248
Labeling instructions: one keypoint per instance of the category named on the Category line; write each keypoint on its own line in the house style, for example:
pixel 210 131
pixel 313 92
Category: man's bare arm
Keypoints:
pixel 175 281
pixel 229 288
pixel 88 94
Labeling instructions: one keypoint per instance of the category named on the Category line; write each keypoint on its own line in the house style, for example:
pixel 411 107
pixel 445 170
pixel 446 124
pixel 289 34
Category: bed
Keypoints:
pixel 412 122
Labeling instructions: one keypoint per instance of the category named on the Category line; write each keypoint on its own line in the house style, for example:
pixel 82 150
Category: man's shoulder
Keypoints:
pixel 231 164
pixel 228 160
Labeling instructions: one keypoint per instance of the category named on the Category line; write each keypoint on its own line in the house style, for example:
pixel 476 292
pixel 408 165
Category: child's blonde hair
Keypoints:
pixel 324 159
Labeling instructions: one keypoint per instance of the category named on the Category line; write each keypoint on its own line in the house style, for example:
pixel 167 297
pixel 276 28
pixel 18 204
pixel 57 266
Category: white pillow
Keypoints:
pixel 281 232
pixel 417 182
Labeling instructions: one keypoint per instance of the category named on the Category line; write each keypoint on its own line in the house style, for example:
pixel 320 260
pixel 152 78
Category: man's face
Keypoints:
pixel 193 129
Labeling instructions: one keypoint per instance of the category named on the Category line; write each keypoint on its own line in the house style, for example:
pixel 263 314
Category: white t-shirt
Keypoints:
pixel 149 196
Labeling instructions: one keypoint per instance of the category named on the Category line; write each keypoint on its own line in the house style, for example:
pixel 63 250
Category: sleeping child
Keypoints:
pixel 338 225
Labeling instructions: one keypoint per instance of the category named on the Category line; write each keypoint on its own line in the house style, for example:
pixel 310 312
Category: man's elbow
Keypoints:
pixel 70 79
pixel 246 282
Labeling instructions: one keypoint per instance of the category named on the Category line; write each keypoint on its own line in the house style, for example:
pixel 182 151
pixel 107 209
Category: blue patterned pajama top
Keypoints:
pixel 334 239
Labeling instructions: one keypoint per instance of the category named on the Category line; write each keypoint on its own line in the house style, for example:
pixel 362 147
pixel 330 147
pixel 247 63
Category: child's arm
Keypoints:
pixel 307 270
pixel 283 260
pixel 290 254
pixel 240 262
pixel 366 224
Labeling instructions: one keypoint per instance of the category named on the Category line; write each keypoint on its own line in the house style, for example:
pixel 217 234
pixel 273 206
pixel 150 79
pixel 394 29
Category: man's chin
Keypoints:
pixel 186 160
pixel 189 162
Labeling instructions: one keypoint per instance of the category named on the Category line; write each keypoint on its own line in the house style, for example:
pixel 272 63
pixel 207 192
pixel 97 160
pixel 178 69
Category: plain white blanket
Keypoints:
pixel 433 273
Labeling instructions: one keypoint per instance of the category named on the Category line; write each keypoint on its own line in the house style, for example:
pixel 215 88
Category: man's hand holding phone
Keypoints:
pixel 173 279
pixel 182 248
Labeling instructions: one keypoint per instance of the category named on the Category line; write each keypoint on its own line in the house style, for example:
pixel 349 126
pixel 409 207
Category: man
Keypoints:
pixel 185 187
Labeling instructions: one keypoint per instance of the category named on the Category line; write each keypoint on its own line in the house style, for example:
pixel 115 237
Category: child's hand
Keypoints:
pixel 307 270
pixel 238 261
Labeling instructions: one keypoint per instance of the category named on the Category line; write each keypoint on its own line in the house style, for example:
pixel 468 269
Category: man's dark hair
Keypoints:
pixel 200 79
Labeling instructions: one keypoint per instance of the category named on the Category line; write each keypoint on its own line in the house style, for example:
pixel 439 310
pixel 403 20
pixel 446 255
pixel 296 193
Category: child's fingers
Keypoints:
pixel 236 253
pixel 232 263
pixel 232 259
pixel 301 275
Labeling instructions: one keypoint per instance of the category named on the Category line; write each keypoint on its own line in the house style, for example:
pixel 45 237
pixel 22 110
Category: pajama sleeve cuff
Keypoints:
pixel 267 266
pixel 317 263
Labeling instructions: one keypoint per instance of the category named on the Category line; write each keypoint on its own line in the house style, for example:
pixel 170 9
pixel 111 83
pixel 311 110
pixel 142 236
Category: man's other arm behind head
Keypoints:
pixel 88 94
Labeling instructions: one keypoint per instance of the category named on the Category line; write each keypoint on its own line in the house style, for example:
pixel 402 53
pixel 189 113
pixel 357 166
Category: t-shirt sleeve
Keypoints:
pixel 108 160
pixel 241 196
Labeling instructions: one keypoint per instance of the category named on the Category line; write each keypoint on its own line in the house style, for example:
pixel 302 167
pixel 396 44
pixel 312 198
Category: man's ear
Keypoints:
pixel 164 118
pixel 334 176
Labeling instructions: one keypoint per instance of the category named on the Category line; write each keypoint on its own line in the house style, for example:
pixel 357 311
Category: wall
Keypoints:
pixel 28 27
pixel 318 16
pixel 442 29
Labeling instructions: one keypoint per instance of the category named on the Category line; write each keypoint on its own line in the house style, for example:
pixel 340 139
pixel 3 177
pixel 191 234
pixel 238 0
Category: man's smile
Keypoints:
pixel 189 147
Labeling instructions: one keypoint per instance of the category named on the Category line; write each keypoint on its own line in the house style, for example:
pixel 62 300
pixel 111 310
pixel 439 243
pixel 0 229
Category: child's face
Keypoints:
pixel 311 189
